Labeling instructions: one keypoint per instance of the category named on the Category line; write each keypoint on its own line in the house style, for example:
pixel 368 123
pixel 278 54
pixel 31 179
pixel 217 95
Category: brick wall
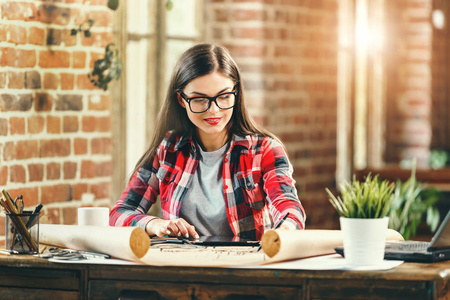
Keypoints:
pixel 55 127
pixel 441 81
pixel 409 81
pixel 287 53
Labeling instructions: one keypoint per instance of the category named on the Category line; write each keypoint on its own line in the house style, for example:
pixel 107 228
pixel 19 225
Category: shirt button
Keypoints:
pixel 226 160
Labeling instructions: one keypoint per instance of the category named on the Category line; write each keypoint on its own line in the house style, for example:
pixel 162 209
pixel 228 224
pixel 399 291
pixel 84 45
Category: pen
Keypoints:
pixel 34 215
pixel 276 227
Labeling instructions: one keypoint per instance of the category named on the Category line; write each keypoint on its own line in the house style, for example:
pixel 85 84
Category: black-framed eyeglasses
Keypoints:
pixel 202 104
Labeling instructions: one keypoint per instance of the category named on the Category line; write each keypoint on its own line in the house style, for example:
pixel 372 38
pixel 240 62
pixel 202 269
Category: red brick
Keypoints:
pixel 89 123
pixel 221 15
pixel 17 174
pixel 51 81
pixel 36 36
pixel 18 11
pixel 70 170
pixel 88 169
pixel 101 190
pixel 94 57
pixel 26 149
pixel 53 215
pixel 67 81
pixel 16 80
pixel 3 80
pixel 3 32
pixel 102 102
pixel 79 59
pixel 16 125
pixel 54 36
pixel 84 83
pixel 53 171
pixel 53 124
pixel 69 102
pixel 53 14
pixel 53 148
pixel 17 34
pixel 101 146
pixel 247 50
pixel 80 146
pixel 9 152
pixel 247 33
pixel 36 172
pixel 30 196
pixel 247 15
pixel 3 175
pixel 78 190
pixel 102 18
pixel 97 39
pixel 70 123
pixel 104 124
pixel 32 80
pixel 69 215
pixel 67 39
pixel 3 127
pixel 104 169
pixel 56 193
pixel 54 59
pixel 18 58
pixel 43 102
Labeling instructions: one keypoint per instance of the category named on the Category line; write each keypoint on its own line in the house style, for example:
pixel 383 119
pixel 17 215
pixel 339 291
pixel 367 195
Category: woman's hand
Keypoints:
pixel 177 227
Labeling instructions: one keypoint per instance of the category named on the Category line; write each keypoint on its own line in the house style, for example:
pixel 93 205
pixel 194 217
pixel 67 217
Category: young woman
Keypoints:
pixel 215 170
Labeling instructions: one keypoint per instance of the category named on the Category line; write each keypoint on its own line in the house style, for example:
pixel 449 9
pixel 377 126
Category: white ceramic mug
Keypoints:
pixel 93 216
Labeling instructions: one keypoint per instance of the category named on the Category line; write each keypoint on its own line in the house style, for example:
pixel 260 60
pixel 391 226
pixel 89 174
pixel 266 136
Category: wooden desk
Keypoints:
pixel 25 277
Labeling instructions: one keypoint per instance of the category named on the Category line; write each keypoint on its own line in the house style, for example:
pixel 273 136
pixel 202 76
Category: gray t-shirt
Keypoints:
pixel 203 205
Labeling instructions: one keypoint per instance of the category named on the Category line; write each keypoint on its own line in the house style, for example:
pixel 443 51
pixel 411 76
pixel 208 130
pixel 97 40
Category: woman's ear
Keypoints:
pixel 180 100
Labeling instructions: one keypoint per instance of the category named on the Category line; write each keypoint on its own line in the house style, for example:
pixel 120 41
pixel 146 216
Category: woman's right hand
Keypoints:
pixel 176 227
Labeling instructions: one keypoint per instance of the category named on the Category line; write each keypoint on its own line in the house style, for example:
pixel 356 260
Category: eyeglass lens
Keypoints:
pixel 223 101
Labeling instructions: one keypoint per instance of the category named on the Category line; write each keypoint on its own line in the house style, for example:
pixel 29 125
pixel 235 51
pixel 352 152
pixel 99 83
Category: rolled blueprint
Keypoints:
pixel 280 245
pixel 130 243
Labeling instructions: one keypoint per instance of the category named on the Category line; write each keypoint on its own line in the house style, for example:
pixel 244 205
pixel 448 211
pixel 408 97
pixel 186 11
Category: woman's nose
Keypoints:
pixel 213 108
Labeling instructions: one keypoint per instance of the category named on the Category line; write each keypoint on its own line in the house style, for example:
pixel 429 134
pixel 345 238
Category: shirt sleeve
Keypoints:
pixel 279 185
pixel 140 194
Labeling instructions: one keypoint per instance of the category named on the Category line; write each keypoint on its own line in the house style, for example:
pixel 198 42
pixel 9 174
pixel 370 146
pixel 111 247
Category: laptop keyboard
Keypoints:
pixel 416 246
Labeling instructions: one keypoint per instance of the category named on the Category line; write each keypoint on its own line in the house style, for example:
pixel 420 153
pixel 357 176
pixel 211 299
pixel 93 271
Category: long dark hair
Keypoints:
pixel 199 60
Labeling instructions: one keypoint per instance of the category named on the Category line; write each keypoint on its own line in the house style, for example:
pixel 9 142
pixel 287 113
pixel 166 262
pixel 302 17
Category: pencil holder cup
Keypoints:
pixel 22 233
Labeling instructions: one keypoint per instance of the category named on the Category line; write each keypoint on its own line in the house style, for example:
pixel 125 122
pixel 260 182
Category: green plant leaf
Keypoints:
pixel 113 4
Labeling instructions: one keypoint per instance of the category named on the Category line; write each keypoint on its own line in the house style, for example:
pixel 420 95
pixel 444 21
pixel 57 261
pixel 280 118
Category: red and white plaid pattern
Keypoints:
pixel 257 179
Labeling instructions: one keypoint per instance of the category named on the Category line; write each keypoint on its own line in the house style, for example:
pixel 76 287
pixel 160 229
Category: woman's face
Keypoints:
pixel 211 124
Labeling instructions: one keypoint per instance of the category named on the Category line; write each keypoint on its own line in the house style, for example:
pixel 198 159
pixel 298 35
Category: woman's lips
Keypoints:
pixel 213 121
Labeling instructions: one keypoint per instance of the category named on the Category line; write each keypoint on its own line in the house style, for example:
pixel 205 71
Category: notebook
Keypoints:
pixel 417 251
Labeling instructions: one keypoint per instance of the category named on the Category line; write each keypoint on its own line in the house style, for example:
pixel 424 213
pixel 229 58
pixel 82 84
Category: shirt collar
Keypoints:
pixel 236 140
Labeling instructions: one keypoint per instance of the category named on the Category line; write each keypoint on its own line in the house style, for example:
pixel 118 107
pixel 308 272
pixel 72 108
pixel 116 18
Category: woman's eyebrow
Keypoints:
pixel 201 94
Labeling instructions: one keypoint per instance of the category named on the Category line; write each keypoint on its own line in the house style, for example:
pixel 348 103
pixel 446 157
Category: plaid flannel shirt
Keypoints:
pixel 257 184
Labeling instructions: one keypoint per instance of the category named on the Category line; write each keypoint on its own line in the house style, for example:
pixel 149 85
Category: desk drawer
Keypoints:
pixel 27 294
pixel 373 289
pixel 112 289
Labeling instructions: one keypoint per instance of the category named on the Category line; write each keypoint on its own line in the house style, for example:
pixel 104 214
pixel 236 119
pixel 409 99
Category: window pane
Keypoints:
pixel 139 16
pixel 136 101
pixel 174 49
pixel 181 19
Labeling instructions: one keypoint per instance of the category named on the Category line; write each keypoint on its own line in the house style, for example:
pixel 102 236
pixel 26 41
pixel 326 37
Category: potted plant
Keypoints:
pixel 363 208
pixel 412 200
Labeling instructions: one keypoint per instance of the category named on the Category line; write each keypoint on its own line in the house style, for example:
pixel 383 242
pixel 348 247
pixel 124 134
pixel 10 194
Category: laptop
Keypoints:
pixel 417 251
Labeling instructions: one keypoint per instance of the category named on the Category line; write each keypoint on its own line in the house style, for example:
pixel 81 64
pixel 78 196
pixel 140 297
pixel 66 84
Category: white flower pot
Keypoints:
pixel 364 240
